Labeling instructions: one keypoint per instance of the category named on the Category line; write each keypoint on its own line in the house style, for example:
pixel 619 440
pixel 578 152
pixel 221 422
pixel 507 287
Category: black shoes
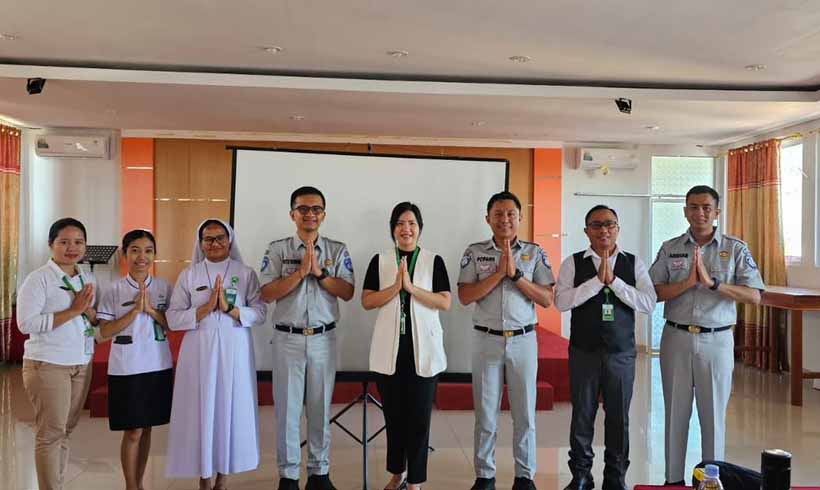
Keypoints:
pixel 319 482
pixel 584 482
pixel 674 484
pixel 521 483
pixel 483 484
pixel 288 484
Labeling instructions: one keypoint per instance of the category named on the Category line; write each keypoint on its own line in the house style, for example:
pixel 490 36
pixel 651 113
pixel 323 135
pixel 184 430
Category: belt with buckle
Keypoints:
pixel 697 328
pixel 306 331
pixel 506 333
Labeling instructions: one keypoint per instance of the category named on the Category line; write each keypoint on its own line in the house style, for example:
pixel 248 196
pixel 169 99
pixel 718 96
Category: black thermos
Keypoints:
pixel 776 469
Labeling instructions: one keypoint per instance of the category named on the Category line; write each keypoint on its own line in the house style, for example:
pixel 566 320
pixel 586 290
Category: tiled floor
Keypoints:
pixel 759 417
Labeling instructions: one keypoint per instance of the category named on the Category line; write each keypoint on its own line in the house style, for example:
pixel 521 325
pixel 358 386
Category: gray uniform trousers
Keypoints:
pixel 494 358
pixel 304 371
pixel 699 366
pixel 612 376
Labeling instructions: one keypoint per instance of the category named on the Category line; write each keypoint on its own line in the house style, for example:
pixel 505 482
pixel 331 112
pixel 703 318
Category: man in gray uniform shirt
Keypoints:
pixel 305 274
pixel 701 275
pixel 505 277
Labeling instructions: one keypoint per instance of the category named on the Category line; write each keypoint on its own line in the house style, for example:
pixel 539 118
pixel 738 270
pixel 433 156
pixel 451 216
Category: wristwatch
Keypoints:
pixel 230 307
pixel 716 283
pixel 323 275
pixel 518 275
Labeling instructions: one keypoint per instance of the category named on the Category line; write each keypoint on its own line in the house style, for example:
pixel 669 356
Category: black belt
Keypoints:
pixel 506 333
pixel 307 331
pixel 697 329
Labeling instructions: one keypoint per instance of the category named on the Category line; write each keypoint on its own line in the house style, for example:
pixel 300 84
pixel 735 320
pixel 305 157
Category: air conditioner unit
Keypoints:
pixel 52 146
pixel 608 158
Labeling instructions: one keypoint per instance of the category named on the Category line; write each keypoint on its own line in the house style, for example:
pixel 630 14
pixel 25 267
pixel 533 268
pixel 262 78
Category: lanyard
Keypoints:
pixel 224 275
pixel 404 294
pixel 89 331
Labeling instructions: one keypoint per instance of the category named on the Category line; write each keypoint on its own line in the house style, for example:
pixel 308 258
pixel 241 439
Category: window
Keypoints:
pixel 672 177
pixel 791 201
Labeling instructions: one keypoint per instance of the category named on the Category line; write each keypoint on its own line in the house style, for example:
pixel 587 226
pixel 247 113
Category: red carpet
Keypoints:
pixel 553 380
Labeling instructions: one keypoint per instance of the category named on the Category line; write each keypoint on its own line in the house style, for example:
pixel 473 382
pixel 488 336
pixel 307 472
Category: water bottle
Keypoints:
pixel 711 480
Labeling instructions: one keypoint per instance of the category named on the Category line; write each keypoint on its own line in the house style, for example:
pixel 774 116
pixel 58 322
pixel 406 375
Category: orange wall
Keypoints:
pixel 137 179
pixel 546 214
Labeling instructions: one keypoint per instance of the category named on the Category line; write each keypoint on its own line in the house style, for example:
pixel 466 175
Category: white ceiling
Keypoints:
pixel 334 71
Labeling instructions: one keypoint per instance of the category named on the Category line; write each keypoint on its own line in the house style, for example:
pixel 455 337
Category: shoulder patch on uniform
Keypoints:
pixel 348 262
pixel 265 263
pixel 544 259
pixel 465 260
pixel 747 257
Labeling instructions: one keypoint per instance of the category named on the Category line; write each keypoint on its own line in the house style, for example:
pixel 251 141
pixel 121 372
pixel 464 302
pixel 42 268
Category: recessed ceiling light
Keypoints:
pixel 520 58
pixel 297 117
pixel 398 53
pixel 755 67
pixel 7 37
pixel 478 123
pixel 271 49
pixel 652 128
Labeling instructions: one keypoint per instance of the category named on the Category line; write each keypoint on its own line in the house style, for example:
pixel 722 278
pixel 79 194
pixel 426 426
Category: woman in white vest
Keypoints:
pixel 140 374
pixel 55 306
pixel 409 286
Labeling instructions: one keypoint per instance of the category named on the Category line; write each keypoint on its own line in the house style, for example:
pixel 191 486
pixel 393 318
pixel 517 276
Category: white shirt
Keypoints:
pixel 42 295
pixel 641 298
pixel 145 354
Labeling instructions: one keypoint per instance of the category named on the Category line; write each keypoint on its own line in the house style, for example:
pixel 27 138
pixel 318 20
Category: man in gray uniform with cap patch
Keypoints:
pixel 305 274
pixel 505 277
pixel 701 275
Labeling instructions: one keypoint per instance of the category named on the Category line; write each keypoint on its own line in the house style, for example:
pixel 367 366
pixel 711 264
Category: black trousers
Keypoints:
pixel 408 404
pixel 610 376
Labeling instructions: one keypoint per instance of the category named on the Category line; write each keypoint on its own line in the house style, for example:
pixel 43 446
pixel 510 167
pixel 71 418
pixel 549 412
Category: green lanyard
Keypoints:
pixel 89 330
pixel 404 294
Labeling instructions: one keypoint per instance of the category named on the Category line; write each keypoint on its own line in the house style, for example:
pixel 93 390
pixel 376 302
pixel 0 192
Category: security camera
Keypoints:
pixel 624 105
pixel 35 85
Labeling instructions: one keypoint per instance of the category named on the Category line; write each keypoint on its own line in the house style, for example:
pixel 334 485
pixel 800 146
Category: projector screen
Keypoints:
pixel 361 191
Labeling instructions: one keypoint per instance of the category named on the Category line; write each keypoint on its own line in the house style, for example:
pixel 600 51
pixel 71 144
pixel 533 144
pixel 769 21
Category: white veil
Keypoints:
pixel 198 255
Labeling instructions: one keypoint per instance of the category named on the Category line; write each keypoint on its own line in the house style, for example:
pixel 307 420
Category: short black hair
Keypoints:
pixel 62 224
pixel 503 196
pixel 704 189
pixel 400 209
pixel 210 222
pixel 306 190
pixel 598 207
pixel 136 235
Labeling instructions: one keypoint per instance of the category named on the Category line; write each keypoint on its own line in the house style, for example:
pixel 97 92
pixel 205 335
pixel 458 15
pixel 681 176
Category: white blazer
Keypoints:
pixel 428 342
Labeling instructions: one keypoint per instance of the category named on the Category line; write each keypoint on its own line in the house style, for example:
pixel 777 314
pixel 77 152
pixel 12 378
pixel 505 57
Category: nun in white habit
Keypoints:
pixel 214 429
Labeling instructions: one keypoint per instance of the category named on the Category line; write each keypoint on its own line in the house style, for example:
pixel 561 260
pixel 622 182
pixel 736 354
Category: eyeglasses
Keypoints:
pixel 598 225
pixel 303 210
pixel 694 208
pixel 210 240
pixel 509 214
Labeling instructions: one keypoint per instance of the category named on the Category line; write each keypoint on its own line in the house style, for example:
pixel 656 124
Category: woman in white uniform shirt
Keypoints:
pixel 55 307
pixel 140 374
pixel 214 427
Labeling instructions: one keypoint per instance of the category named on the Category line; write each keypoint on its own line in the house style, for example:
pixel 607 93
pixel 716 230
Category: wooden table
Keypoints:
pixel 796 300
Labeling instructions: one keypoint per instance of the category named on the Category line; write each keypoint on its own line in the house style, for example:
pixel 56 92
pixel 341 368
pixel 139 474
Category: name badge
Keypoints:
pixel 202 288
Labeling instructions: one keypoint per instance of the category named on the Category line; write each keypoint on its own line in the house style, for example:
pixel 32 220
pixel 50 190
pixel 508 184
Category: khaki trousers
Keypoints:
pixel 58 394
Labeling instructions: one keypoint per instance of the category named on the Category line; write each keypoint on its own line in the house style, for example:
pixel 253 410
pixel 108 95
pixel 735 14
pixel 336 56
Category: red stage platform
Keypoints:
pixel 553 380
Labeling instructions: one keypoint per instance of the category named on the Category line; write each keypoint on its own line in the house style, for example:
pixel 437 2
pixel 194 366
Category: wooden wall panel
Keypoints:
pixel 546 185
pixel 210 164
pixel 172 169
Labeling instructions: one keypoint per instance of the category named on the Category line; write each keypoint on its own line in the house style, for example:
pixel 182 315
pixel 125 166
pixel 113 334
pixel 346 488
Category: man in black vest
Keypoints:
pixel 604 287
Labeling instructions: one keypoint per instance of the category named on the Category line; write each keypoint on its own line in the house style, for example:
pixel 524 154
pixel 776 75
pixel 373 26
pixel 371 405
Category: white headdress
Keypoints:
pixel 198 255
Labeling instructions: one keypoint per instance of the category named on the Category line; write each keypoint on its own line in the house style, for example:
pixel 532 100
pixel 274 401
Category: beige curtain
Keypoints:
pixel 753 207
pixel 9 230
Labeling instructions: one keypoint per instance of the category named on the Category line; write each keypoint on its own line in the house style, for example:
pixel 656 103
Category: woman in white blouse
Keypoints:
pixel 55 307
pixel 140 374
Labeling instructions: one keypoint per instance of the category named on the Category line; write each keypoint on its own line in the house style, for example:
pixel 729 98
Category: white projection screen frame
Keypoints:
pixel 361 191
